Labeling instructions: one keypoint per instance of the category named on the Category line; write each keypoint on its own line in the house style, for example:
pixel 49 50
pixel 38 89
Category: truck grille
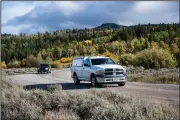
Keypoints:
pixel 119 70
pixel 110 73
pixel 118 73
pixel 113 71
pixel 108 70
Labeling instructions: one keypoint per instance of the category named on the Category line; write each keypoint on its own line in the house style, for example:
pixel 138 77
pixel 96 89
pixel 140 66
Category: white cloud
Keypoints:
pixel 145 7
pixel 35 29
pixel 14 10
pixel 148 6
pixel 152 12
pixel 15 29
pixel 66 24
pixel 69 7
pixel 24 28
pixel 69 24
pixel 126 23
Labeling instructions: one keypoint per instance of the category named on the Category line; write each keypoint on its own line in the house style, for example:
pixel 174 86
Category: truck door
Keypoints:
pixel 86 69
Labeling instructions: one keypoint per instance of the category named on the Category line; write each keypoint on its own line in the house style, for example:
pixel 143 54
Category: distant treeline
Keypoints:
pixel 78 42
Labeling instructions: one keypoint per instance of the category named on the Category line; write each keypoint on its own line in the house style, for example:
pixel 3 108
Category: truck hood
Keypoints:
pixel 105 66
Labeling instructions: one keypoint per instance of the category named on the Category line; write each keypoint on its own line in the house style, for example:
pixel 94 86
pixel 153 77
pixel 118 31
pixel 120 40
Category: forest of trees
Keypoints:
pixel 100 41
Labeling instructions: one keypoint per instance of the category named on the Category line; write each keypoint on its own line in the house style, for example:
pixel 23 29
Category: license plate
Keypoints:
pixel 115 79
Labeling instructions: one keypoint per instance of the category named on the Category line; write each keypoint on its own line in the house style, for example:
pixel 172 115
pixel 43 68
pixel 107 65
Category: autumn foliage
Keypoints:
pixel 66 60
pixel 113 56
pixel 88 42
pixel 3 65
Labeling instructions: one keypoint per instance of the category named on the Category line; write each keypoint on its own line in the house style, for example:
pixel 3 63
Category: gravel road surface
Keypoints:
pixel 159 92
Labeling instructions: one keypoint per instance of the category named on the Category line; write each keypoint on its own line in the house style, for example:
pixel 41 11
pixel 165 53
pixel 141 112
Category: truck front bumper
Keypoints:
pixel 111 79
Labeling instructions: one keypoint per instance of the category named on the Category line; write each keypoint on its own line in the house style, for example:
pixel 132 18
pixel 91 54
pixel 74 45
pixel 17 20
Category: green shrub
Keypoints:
pixel 23 63
pixel 155 58
pixel 56 64
pixel 33 61
pixel 128 59
pixel 39 59
pixel 52 88
pixel 48 60
pixel 14 64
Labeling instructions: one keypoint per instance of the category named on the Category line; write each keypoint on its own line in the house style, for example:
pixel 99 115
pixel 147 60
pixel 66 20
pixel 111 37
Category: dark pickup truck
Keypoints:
pixel 44 68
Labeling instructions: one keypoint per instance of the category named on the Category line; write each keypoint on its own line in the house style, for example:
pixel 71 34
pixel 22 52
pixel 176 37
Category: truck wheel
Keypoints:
pixel 76 80
pixel 121 84
pixel 93 81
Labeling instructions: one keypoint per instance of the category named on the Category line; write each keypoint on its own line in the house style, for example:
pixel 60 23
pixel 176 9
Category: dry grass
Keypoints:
pixel 21 104
pixel 165 76
pixel 66 65
pixel 15 71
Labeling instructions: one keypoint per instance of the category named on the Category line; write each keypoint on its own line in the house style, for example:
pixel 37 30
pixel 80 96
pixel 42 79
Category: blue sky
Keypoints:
pixel 31 17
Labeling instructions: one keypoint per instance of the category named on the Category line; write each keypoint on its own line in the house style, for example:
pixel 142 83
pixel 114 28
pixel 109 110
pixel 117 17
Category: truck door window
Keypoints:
pixel 87 63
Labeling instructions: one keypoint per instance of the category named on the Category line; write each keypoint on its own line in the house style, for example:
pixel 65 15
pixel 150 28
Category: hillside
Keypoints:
pixel 110 26
pixel 116 43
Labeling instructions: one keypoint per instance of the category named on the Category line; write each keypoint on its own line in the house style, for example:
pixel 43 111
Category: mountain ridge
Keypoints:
pixel 110 26
pixel 117 26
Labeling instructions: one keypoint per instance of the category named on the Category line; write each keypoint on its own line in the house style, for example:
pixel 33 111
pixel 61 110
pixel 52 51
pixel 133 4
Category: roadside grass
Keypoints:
pixel 162 76
pixel 66 65
pixel 19 103
pixel 16 71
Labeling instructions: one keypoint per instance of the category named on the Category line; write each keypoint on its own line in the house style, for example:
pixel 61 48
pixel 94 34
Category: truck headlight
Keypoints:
pixel 46 68
pixel 124 72
pixel 100 71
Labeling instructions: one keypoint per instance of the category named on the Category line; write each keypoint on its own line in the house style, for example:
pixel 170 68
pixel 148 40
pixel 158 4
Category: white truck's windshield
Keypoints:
pixel 99 61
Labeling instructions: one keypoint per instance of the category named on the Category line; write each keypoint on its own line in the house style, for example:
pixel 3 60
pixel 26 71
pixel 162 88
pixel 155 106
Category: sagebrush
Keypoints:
pixel 18 103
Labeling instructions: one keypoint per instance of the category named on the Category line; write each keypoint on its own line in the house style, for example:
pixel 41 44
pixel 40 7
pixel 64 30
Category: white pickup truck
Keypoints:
pixel 97 70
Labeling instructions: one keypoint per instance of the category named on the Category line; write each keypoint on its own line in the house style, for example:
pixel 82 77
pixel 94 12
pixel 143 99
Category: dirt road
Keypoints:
pixel 160 92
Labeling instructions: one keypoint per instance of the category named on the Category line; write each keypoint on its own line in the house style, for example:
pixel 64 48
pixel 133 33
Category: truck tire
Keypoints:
pixel 121 84
pixel 76 80
pixel 93 81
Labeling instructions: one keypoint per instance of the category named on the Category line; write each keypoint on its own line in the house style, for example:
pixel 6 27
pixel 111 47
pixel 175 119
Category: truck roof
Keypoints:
pixel 91 57
pixel 94 57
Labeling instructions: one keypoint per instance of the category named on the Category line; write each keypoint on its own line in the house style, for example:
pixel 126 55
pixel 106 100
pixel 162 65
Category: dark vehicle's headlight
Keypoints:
pixel 46 68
